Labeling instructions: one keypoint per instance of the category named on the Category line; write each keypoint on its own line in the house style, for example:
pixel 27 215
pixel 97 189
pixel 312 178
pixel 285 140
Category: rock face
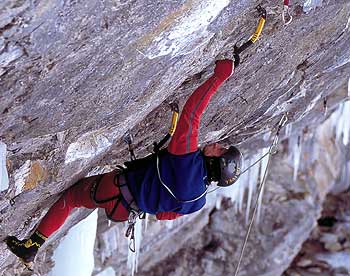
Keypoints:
pixel 76 75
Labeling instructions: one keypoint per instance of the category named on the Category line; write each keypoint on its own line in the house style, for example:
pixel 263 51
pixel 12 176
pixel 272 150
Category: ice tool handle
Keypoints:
pixel 238 50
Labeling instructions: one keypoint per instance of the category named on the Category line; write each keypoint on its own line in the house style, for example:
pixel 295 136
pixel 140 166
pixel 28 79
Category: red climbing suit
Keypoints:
pixel 184 140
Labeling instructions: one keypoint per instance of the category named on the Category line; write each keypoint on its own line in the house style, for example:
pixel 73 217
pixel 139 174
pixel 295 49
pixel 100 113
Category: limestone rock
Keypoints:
pixel 76 75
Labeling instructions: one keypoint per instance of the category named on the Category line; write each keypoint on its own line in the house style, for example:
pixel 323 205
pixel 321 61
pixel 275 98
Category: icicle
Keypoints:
pixel 133 257
pixel 340 119
pixel 252 184
pixel 241 197
pixel 250 196
pixel 296 157
pixel 263 166
pixel 218 203
pixel 169 224
pixel 349 87
pixel 294 150
pixel 233 192
pixel 4 180
pixel 346 124
pixel 325 106
pixel 289 129
pixel 212 196
pixel 147 218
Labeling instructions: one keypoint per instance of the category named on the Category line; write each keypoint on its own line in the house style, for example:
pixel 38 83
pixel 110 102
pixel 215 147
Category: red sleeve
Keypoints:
pixel 167 215
pixel 185 138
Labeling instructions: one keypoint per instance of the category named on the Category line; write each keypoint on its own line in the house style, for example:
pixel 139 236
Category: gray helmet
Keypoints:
pixel 230 166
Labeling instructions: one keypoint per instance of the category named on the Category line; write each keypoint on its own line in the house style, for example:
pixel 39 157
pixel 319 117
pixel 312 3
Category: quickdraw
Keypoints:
pixel 238 50
pixel 286 15
pixel 128 138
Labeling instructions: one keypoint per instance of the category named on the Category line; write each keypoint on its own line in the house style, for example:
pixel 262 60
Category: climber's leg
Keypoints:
pixel 74 197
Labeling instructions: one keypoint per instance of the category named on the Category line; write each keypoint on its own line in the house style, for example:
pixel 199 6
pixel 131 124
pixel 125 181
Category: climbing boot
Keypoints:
pixel 26 249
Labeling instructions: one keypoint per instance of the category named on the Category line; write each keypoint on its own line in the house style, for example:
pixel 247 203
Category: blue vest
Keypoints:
pixel 185 175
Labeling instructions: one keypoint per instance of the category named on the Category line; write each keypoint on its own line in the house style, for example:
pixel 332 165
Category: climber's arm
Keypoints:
pixel 185 138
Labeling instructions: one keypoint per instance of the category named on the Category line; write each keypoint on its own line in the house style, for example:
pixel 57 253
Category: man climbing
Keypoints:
pixel 168 184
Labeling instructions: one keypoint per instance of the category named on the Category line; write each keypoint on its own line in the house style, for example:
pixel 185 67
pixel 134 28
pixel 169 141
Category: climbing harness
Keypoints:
pixel 286 15
pixel 135 213
pixel 281 123
pixel 238 50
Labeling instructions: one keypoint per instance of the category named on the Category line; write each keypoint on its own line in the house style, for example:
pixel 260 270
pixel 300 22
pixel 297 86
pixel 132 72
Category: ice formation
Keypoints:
pixel 4 179
pixel 263 168
pixel 247 184
pixel 75 254
pixel 110 238
pixel 109 271
pixel 341 122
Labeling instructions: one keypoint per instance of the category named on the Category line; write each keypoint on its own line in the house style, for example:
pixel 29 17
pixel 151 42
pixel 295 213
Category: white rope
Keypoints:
pixel 261 187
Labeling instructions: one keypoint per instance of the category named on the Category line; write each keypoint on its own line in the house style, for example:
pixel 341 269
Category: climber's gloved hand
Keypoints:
pixel 237 60
pixel 167 215
pixel 224 68
pixel 236 57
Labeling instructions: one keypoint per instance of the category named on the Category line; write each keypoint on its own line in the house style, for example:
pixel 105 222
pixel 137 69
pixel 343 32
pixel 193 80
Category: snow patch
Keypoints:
pixel 21 175
pixel 309 5
pixel 281 105
pixel 4 179
pixel 189 32
pixel 214 135
pixel 336 259
pixel 11 55
pixel 88 146
pixel 312 104
pixel 75 254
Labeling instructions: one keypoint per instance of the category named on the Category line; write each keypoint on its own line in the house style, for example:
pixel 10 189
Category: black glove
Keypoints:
pixel 237 60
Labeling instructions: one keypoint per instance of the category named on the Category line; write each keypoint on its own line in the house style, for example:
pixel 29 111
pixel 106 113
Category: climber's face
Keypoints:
pixel 214 150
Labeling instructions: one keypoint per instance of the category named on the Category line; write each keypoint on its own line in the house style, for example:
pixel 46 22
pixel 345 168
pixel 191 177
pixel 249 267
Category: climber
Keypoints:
pixel 168 184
